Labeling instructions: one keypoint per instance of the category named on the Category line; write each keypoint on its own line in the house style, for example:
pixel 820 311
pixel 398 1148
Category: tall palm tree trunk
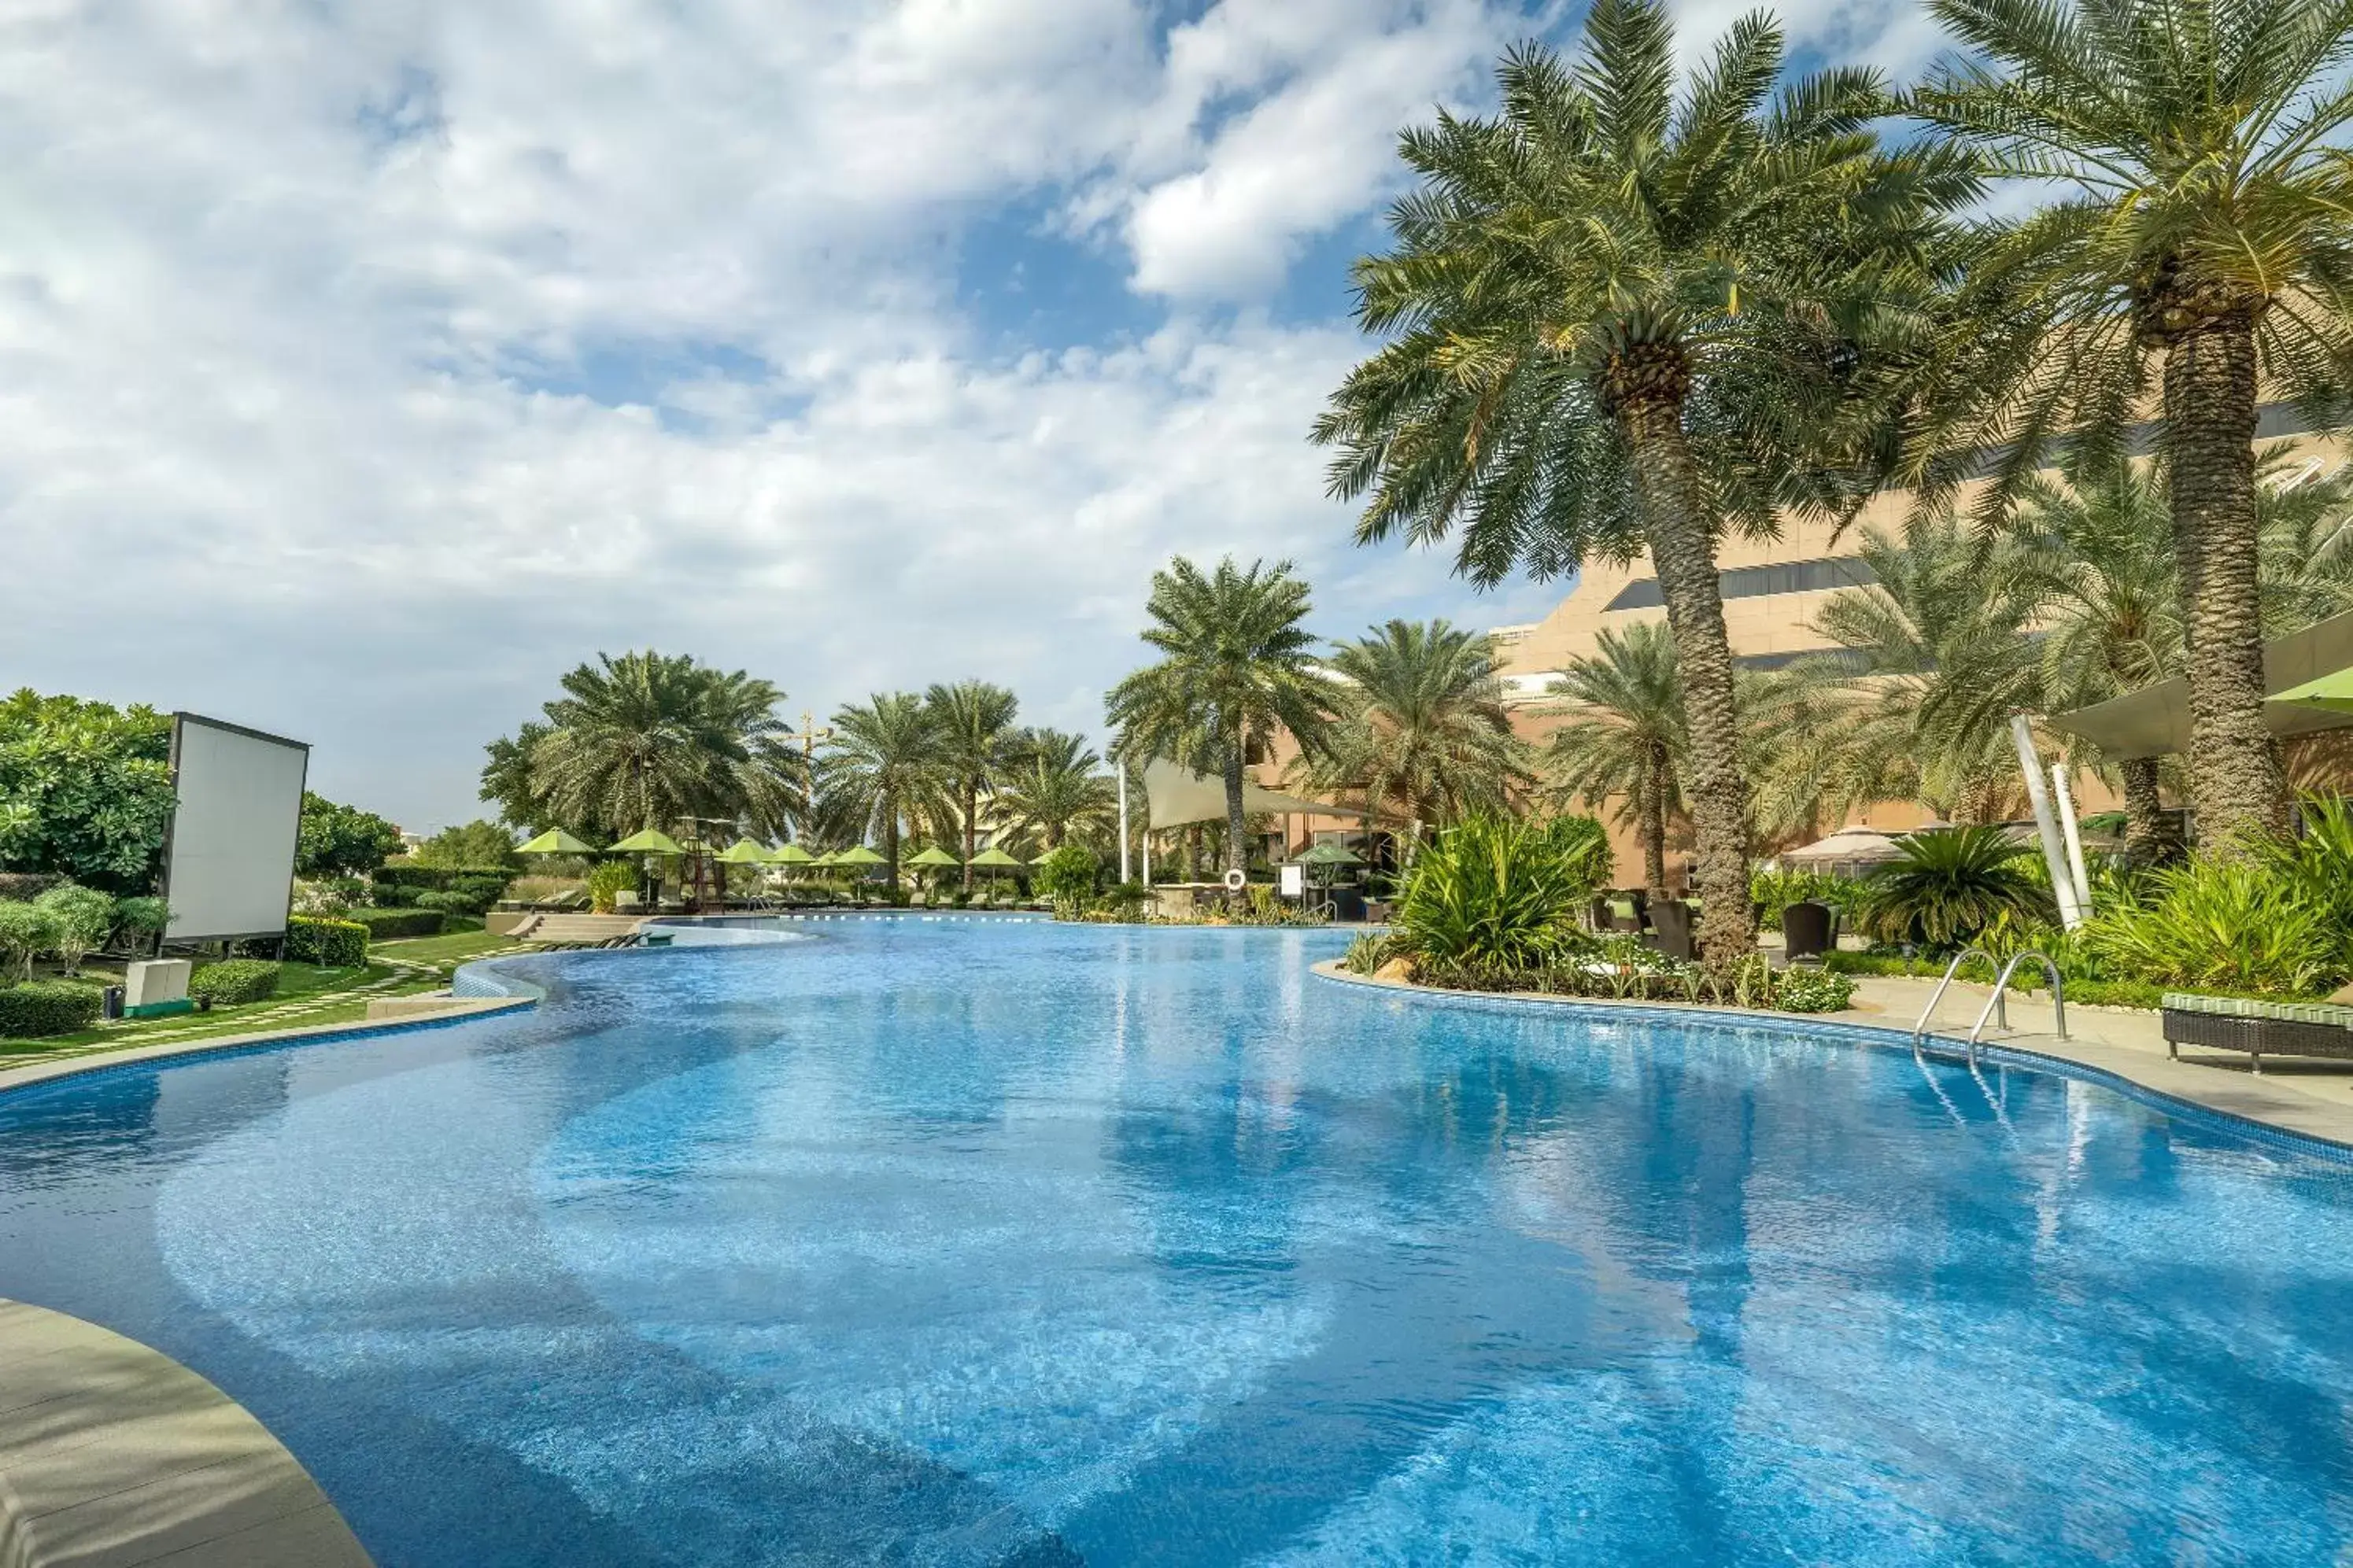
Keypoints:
pixel 1237 855
pixel 2238 786
pixel 1654 825
pixel 2146 843
pixel 891 837
pixel 1681 549
pixel 971 809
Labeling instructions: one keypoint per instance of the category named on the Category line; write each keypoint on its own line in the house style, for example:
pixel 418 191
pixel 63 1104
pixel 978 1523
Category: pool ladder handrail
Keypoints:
pixel 1996 1005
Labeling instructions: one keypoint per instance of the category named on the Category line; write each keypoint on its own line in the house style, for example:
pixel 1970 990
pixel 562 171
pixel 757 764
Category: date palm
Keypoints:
pixel 1422 731
pixel 1624 318
pixel 974 723
pixel 1055 787
pixel 1237 666
pixel 1626 739
pixel 2201 249
pixel 884 769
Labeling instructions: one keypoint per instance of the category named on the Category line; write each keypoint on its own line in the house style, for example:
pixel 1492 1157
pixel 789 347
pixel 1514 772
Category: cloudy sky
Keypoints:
pixel 365 364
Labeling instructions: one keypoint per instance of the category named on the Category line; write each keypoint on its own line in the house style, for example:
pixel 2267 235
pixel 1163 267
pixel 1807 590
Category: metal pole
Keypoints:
pixel 2074 837
pixel 2038 794
pixel 1123 820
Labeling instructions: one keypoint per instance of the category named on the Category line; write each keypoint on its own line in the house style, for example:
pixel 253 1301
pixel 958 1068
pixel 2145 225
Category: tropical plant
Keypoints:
pixel 1067 876
pixel 1625 740
pixel 142 917
pixel 341 840
pixel 472 846
pixel 1948 886
pixel 1054 787
pixel 1237 666
pixel 649 740
pixel 883 770
pixel 2313 869
pixel 974 722
pixel 2202 250
pixel 85 789
pixel 79 921
pixel 1622 317
pixel 1495 893
pixel 608 881
pixel 1773 891
pixel 1422 731
pixel 2222 925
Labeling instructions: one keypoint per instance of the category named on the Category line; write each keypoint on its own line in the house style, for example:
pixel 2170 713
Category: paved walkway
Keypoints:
pixel 2302 1095
pixel 115 1456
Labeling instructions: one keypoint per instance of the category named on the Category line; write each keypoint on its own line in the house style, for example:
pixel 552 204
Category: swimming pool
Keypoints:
pixel 938 1242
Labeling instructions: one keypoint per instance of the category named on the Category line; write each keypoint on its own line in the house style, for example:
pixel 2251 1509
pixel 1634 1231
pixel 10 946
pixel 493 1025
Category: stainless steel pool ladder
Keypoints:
pixel 1996 1005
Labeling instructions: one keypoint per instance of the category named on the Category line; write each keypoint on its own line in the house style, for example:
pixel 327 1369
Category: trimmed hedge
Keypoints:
pixel 438 878
pixel 331 944
pixel 48 1007
pixel 237 979
pixel 384 925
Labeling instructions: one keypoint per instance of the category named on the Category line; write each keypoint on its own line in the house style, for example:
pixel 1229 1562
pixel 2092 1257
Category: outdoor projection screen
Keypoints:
pixel 229 862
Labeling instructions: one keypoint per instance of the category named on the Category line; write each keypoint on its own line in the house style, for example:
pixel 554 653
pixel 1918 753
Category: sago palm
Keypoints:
pixel 884 768
pixel 975 725
pixel 1423 734
pixel 1625 739
pixel 1237 665
pixel 1623 318
pixel 2200 255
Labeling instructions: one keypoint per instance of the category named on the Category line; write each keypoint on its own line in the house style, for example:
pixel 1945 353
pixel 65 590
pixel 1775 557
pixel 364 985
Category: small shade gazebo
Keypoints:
pixel 1849 852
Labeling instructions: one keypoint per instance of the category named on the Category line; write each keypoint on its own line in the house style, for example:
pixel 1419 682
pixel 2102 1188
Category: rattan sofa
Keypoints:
pixel 2258 1029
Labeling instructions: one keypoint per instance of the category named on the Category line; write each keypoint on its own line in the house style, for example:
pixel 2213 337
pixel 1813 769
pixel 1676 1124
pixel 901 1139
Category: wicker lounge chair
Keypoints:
pixel 2277 1028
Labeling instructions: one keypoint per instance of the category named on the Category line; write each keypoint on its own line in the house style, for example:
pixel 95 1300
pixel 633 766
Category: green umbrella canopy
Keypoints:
pixel 859 854
pixel 789 855
pixel 2333 693
pixel 743 852
pixel 653 841
pixel 934 856
pixel 554 841
pixel 996 858
pixel 1329 854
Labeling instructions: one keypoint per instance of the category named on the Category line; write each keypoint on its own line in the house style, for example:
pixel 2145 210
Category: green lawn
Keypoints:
pixel 306 996
pixel 455 947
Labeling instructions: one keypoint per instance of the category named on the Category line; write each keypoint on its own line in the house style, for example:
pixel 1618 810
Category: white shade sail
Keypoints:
pixel 2155 721
pixel 1174 797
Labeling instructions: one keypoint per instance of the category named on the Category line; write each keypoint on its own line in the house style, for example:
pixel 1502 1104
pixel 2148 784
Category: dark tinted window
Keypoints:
pixel 1754 582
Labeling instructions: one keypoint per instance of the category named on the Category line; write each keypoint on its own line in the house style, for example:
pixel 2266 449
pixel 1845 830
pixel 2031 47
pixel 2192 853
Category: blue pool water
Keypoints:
pixel 939 1243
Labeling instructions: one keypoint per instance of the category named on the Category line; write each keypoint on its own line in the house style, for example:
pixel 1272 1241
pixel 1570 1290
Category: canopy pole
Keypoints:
pixel 1122 822
pixel 2038 796
pixel 2074 837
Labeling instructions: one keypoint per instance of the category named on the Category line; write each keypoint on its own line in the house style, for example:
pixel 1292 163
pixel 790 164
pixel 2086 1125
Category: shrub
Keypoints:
pixel 1583 846
pixel 144 916
pixel 1774 891
pixel 25 930
pixel 79 919
pixel 48 1007
pixel 475 844
pixel 25 886
pixel 388 925
pixel 237 979
pixel 2317 869
pixel 1371 950
pixel 1950 886
pixel 450 904
pixel 2222 925
pixel 607 879
pixel 1811 991
pixel 1495 894
pixel 1068 877
pixel 331 944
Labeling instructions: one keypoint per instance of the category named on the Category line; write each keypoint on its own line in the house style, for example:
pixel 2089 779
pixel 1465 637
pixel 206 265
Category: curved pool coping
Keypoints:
pixel 1877 1037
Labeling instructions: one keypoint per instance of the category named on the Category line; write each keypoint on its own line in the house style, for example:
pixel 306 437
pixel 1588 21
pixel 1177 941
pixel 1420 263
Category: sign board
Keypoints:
pixel 228 855
pixel 1294 881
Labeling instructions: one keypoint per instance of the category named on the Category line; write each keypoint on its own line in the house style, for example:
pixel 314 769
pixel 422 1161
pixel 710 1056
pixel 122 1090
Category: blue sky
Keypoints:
pixel 363 366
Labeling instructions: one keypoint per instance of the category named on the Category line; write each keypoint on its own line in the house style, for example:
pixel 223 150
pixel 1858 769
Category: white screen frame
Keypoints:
pixel 209 842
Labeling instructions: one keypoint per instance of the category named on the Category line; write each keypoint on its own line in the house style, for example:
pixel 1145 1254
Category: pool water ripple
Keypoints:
pixel 1033 1245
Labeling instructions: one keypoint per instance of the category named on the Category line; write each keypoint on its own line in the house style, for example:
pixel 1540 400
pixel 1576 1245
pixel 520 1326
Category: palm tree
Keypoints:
pixel 1054 786
pixel 975 722
pixel 2202 249
pixel 1627 737
pixel 1625 318
pixel 884 769
pixel 1237 666
pixel 1423 730
pixel 647 740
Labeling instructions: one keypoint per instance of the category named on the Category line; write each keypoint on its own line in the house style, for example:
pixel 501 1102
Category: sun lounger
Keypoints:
pixel 2237 1024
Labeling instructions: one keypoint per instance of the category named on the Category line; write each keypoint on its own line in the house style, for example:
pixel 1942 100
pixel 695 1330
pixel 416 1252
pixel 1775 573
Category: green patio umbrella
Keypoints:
pixel 996 858
pixel 789 855
pixel 743 852
pixel 826 861
pixel 2332 693
pixel 1331 854
pixel 859 854
pixel 554 841
pixel 933 859
pixel 653 841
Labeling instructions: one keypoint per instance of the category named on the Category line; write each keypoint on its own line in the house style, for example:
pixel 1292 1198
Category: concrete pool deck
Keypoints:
pixel 2306 1095
pixel 115 1456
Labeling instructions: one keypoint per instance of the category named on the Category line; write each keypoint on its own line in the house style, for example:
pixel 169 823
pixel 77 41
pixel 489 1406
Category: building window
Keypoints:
pixel 1756 581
